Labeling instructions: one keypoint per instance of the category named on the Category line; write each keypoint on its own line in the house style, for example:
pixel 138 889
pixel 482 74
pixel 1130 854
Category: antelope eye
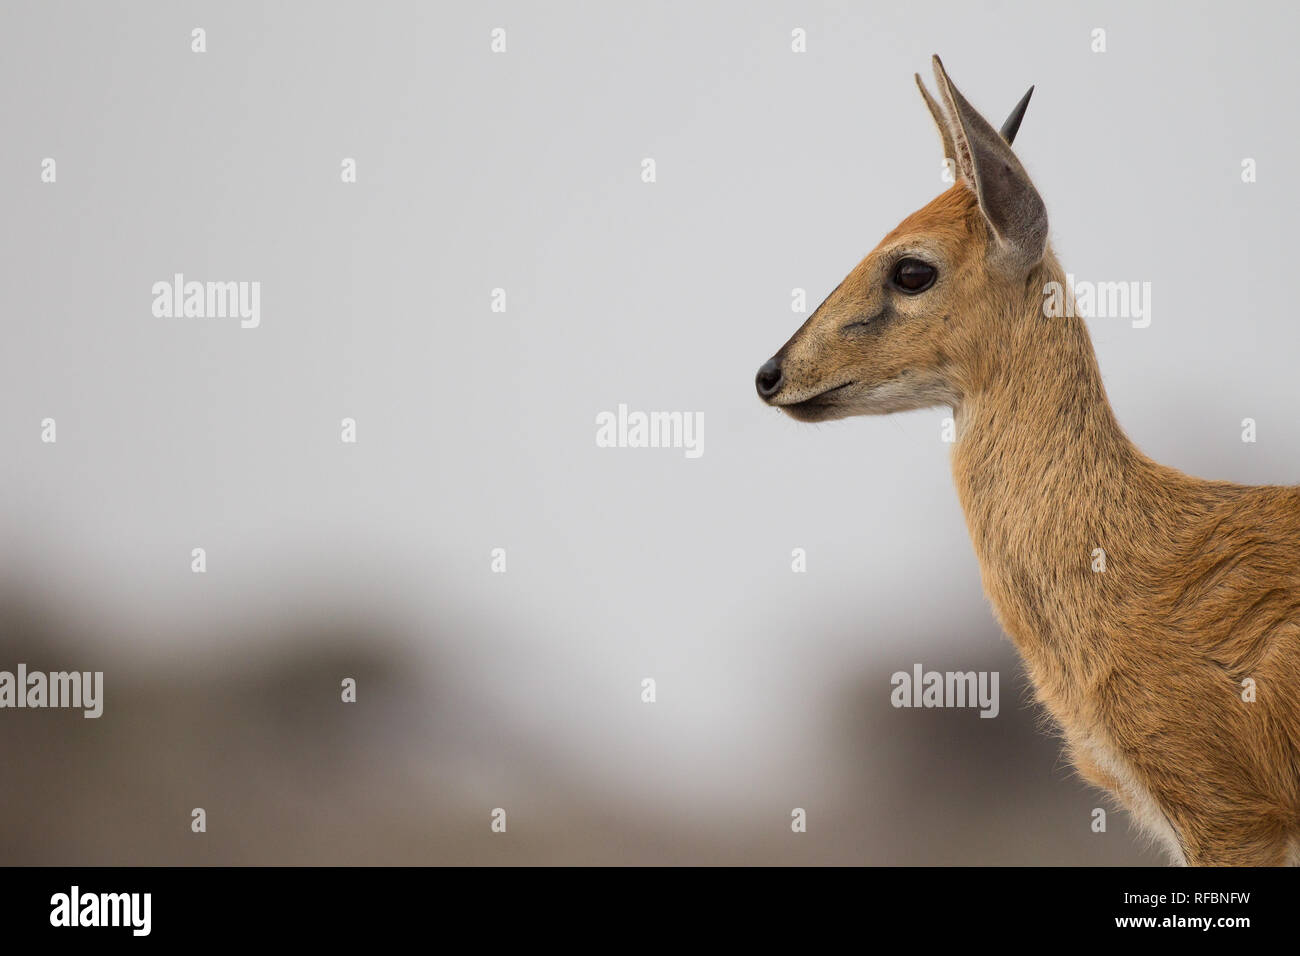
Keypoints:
pixel 913 276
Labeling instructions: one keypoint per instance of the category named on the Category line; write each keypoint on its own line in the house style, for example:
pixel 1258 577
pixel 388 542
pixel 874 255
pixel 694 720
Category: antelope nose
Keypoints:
pixel 769 379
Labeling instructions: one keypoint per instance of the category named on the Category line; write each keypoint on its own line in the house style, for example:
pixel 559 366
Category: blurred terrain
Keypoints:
pixel 409 775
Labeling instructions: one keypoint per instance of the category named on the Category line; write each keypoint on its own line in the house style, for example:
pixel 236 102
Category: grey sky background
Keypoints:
pixel 476 429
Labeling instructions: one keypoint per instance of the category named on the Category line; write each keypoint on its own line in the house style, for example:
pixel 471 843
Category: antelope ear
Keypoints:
pixel 1007 198
pixel 941 121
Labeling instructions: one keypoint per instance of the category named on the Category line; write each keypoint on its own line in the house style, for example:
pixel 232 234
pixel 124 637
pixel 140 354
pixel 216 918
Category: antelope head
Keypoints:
pixel 912 324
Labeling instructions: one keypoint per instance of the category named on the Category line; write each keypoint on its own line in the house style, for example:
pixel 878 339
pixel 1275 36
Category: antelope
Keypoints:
pixel 1173 673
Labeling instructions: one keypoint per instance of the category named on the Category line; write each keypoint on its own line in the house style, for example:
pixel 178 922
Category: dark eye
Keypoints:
pixel 913 276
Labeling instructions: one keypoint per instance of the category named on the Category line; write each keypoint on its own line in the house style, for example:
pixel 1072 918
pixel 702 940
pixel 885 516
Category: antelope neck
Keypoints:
pixel 1041 466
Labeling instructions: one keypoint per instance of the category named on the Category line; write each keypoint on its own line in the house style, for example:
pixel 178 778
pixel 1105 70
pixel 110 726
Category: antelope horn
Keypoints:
pixel 1012 125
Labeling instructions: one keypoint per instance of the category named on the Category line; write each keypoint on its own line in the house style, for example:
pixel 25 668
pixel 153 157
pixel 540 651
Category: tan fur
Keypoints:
pixel 1141 665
